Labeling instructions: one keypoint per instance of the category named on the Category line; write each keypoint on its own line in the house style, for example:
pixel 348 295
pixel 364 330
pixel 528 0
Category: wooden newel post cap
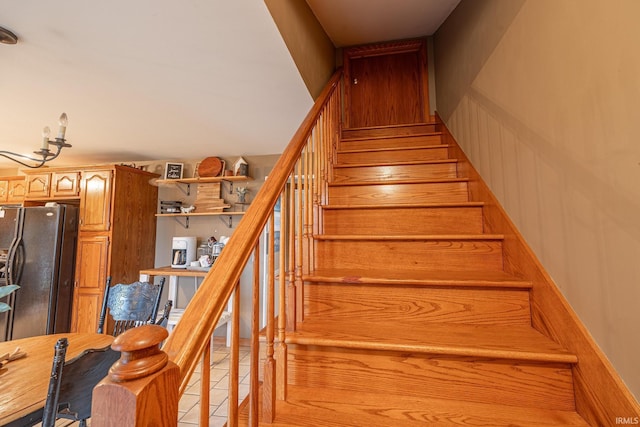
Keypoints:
pixel 140 353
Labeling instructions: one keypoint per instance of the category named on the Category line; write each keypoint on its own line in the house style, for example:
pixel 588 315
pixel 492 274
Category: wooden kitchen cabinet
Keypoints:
pixel 4 190
pixel 116 227
pixel 17 190
pixel 92 259
pixel 57 184
pixel 95 200
pixel 116 235
pixel 38 186
pixel 65 184
pixel 12 189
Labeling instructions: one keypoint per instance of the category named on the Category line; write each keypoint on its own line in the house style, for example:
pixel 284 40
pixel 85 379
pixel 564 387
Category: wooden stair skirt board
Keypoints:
pixel 410 253
pixel 395 141
pixel 427 170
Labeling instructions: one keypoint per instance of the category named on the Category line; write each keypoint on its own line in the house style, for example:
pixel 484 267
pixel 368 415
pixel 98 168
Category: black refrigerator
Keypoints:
pixel 37 252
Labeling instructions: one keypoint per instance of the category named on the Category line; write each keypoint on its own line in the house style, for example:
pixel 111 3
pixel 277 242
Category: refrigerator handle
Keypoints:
pixel 13 250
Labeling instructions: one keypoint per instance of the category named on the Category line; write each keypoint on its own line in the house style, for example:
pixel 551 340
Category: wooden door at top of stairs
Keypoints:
pixel 386 84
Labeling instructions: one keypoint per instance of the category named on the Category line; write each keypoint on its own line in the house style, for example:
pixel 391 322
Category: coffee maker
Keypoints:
pixel 183 251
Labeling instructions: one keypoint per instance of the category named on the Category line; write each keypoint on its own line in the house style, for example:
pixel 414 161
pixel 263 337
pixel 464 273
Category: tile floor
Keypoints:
pixel 189 407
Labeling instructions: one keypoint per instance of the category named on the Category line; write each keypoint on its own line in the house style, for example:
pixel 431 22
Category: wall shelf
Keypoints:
pixel 203 180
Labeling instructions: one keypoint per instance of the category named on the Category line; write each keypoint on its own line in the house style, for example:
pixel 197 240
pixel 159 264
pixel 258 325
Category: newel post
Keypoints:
pixel 142 387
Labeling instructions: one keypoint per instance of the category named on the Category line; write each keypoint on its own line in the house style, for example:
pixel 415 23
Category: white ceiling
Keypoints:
pixel 355 22
pixel 159 79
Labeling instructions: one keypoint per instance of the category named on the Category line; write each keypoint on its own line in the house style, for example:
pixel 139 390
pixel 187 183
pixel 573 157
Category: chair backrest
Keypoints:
pixel 71 383
pixel 130 305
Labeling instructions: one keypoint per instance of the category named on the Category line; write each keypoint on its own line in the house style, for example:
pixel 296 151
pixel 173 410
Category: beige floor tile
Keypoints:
pixel 187 402
pixel 193 389
pixel 195 377
pixel 223 409
pixel 243 370
pixel 223 382
pixel 243 391
pixel 215 421
pixel 189 408
pixel 192 416
pixel 222 364
pixel 217 374
pixel 217 396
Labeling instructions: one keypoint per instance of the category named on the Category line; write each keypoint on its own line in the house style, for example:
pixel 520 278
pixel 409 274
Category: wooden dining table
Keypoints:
pixel 24 382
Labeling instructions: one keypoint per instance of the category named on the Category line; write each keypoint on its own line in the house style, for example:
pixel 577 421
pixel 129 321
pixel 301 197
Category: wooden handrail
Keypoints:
pixel 293 181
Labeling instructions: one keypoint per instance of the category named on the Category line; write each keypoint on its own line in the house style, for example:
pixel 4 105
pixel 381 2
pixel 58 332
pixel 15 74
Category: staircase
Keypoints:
pixel 409 315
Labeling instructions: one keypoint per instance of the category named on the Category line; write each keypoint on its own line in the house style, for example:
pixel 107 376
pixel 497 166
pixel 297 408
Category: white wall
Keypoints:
pixel 544 97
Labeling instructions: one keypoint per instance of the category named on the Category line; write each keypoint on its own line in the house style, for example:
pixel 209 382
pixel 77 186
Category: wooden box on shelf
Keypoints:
pixel 208 198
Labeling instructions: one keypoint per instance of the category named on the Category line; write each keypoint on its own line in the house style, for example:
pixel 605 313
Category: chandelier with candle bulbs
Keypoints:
pixel 46 153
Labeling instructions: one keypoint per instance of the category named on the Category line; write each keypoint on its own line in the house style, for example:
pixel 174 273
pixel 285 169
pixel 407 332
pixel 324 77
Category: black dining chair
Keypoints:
pixel 131 305
pixel 71 383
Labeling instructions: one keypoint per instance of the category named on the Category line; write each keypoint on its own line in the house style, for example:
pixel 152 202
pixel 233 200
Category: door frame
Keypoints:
pixel 387 48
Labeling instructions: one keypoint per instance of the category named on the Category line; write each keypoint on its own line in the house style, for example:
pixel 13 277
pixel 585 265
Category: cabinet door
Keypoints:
pixel 38 186
pixel 65 184
pixel 92 262
pixel 4 191
pixel 95 200
pixel 17 191
pixel 86 309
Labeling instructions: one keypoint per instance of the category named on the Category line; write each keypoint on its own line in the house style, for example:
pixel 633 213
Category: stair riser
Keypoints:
pixel 403 221
pixel 409 305
pixel 393 173
pixel 415 255
pixel 389 131
pixel 547 386
pixel 392 156
pixel 395 142
pixel 429 192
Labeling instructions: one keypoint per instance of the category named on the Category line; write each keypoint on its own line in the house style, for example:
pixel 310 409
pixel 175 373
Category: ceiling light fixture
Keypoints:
pixel 45 155
pixel 7 37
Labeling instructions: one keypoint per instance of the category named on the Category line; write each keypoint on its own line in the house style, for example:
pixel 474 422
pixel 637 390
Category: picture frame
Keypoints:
pixel 174 170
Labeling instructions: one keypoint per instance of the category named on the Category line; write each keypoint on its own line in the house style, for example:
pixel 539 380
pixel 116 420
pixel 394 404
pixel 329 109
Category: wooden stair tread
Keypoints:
pixel 407 206
pixel 390 130
pixel 407 163
pixel 406 181
pixel 408 238
pixel 485 341
pixel 417 147
pixel 432 121
pixel 311 407
pixel 497 279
